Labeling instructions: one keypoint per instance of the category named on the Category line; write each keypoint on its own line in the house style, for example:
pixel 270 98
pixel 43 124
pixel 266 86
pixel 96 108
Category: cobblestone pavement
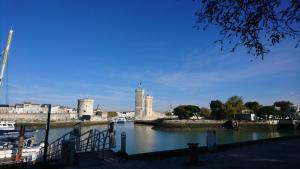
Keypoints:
pixel 273 155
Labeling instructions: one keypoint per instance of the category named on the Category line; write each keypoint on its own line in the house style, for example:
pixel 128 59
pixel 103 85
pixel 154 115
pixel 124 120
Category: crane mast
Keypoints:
pixel 5 55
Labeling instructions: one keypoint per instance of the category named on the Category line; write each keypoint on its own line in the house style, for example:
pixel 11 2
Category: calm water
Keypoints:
pixel 142 138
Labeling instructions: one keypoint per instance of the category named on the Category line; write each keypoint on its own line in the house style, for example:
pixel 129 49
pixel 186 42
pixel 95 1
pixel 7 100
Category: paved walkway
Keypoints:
pixel 273 155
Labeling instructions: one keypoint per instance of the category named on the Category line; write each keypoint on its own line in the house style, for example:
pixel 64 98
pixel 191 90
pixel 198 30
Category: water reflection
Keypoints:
pixel 142 138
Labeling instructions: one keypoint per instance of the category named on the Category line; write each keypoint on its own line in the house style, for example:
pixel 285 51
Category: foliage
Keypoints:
pixel 205 112
pixel 112 114
pixel 98 113
pixel 253 24
pixel 234 105
pixel 217 109
pixel 254 106
pixel 284 105
pixel 186 111
pixel 168 113
pixel 267 111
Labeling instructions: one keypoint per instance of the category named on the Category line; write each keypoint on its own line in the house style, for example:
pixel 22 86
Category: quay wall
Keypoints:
pixel 191 124
pixel 39 119
pixel 61 124
pixel 34 117
pixel 159 155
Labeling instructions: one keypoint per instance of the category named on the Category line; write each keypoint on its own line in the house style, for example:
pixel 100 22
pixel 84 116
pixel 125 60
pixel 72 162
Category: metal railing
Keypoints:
pixel 93 140
pixel 54 149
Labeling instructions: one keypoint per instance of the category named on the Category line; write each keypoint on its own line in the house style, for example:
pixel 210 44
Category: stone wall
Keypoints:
pixel 34 117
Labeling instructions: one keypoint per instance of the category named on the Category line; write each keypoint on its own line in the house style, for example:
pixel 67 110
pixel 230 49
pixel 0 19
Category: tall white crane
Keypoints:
pixel 5 55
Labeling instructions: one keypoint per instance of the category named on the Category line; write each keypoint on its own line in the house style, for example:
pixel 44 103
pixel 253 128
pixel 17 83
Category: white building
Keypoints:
pixel 62 109
pixel 99 112
pixel 143 105
pixel 126 114
pixel 26 107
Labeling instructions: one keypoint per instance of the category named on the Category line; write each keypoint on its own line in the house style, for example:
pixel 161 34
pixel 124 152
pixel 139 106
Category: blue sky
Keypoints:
pixel 65 50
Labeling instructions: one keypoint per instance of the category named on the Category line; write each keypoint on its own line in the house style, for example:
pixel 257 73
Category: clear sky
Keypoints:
pixel 63 50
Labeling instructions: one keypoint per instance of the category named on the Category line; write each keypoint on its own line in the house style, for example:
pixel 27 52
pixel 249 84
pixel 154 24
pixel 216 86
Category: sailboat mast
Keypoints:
pixel 5 55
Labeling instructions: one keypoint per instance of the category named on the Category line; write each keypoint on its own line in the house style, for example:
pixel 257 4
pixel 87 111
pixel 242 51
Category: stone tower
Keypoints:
pixel 148 107
pixel 139 103
pixel 85 107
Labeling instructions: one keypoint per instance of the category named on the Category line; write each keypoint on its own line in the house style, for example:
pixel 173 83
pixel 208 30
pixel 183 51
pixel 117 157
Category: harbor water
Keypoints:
pixel 142 138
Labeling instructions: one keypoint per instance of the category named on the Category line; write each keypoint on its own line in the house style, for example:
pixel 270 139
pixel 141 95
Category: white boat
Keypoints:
pixel 7 126
pixel 9 148
pixel 120 120
pixel 7 129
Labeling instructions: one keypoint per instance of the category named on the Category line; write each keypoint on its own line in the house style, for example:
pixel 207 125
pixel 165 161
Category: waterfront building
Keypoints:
pixel 245 116
pixel 99 112
pixel 127 114
pixel 36 112
pixel 143 105
pixel 292 112
pixel 26 107
pixel 62 109
pixel 4 108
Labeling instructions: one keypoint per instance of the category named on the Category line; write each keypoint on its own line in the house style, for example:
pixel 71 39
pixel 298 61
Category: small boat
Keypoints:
pixel 7 128
pixel 120 120
pixel 9 148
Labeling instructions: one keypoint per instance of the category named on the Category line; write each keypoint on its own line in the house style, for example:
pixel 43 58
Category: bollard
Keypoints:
pixel 68 152
pixel 123 142
pixel 193 147
pixel 76 136
pixel 112 140
pixel 211 140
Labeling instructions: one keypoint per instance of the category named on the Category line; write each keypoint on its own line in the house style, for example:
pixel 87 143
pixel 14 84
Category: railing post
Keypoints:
pixel 47 134
pixel 88 141
pixel 193 147
pixel 111 135
pixel 77 133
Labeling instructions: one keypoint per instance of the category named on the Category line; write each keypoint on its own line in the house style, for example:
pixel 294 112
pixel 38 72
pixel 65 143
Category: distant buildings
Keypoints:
pixel 293 112
pixel 26 107
pixel 33 108
pixel 126 114
pixel 86 112
pixel 36 112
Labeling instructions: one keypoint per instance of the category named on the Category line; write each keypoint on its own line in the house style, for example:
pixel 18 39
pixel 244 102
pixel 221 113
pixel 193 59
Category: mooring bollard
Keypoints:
pixel 123 142
pixel 193 152
pixel 68 152
pixel 211 140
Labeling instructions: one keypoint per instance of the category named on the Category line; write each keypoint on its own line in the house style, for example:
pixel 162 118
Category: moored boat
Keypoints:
pixel 9 148
pixel 120 120
pixel 7 128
